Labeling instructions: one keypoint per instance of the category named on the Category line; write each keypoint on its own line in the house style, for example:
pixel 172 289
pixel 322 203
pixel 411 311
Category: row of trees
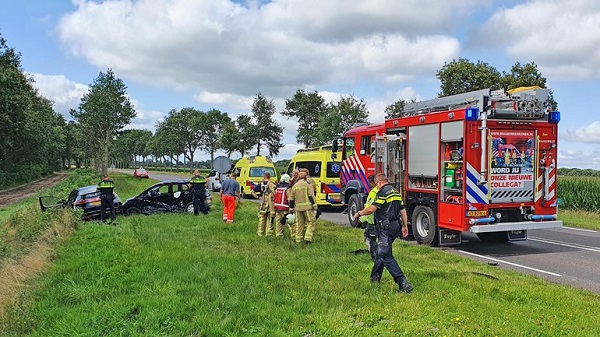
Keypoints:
pixel 32 135
pixel 36 140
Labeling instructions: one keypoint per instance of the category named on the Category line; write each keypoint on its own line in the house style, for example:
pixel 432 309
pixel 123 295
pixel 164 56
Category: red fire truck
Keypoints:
pixel 482 161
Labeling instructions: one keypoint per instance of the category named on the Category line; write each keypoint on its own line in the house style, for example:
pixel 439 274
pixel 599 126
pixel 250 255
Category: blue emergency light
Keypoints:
pixel 554 117
pixel 472 114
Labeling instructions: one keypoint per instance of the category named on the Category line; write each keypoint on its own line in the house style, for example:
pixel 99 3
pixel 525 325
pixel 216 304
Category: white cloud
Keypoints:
pixel 65 94
pixel 589 158
pixel 562 37
pixel 585 134
pixel 219 46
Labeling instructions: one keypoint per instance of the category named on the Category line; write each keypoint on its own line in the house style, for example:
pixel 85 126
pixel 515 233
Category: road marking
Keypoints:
pixel 581 229
pixel 510 263
pixel 566 244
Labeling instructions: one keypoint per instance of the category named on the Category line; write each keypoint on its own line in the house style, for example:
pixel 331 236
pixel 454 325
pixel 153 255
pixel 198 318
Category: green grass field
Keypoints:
pixel 180 275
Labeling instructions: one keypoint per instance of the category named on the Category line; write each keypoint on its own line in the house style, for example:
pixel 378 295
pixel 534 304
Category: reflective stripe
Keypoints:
pixel 106 184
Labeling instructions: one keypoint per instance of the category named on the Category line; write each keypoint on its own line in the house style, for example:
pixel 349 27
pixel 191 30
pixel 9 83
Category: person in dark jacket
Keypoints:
pixel 106 188
pixel 198 193
pixel 391 221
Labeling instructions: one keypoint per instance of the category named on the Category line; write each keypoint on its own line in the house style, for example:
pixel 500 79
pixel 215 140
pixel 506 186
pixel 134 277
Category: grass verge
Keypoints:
pixel 180 275
pixel 580 219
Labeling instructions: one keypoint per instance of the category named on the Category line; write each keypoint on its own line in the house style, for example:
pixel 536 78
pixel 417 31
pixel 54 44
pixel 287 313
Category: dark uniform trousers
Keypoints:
pixel 384 257
pixel 107 204
pixel 198 197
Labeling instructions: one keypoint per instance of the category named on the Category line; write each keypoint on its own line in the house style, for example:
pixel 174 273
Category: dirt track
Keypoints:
pixel 19 193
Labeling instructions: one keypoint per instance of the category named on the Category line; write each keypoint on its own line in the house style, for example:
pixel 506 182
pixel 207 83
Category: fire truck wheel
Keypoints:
pixel 424 226
pixel 355 205
pixel 493 237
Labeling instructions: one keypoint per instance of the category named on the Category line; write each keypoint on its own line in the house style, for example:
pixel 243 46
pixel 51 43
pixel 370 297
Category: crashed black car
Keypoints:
pixel 86 198
pixel 166 196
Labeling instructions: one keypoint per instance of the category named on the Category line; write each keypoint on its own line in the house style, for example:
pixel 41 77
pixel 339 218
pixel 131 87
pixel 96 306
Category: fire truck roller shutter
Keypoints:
pixel 424 226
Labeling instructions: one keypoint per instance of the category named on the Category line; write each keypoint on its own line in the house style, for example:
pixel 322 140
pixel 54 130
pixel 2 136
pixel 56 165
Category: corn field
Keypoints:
pixel 579 193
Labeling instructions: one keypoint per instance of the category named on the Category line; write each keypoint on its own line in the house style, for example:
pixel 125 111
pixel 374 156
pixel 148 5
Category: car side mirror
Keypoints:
pixel 334 146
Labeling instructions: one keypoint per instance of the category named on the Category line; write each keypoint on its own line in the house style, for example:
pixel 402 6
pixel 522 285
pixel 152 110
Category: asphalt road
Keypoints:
pixel 565 255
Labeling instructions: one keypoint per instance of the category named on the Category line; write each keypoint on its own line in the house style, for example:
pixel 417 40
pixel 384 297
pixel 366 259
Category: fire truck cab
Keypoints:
pixel 483 162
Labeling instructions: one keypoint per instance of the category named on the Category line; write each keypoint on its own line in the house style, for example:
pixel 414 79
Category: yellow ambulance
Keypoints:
pixel 324 170
pixel 250 170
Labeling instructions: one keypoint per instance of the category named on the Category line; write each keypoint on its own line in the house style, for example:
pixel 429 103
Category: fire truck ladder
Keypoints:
pixel 527 102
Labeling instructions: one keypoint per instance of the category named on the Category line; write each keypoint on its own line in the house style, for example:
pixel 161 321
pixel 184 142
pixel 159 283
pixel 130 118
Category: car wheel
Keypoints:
pixel 424 226
pixel 355 205
pixel 493 237
pixel 133 210
pixel 243 194
pixel 189 207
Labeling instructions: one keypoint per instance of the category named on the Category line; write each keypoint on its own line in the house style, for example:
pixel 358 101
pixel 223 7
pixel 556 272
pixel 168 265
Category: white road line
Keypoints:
pixel 510 263
pixel 566 244
pixel 580 229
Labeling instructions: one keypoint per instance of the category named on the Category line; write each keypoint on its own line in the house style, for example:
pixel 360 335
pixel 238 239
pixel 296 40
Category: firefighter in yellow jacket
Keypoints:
pixel 302 202
pixel 266 211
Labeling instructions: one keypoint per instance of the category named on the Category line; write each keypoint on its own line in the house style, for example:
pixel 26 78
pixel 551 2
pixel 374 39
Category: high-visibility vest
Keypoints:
pixel 281 201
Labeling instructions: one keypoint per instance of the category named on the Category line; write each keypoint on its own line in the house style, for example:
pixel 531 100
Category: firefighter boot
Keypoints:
pixel 405 287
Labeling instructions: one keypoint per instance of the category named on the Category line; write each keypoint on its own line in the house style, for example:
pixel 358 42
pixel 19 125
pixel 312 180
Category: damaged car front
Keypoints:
pixel 86 199
pixel 166 196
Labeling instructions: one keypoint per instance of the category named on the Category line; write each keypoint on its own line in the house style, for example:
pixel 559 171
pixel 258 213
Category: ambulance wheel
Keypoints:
pixel 424 226
pixel 493 237
pixel 355 205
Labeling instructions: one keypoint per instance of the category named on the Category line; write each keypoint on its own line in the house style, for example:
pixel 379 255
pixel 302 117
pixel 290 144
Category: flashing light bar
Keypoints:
pixel 471 114
pixel 554 117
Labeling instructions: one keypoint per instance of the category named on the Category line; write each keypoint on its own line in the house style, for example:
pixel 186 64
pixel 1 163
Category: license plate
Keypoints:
pixel 334 196
pixel 95 203
pixel 476 213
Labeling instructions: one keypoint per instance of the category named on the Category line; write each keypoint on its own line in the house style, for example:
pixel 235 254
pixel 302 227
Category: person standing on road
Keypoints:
pixel 198 193
pixel 302 203
pixel 388 208
pixel 266 211
pixel 230 192
pixel 369 220
pixel 106 187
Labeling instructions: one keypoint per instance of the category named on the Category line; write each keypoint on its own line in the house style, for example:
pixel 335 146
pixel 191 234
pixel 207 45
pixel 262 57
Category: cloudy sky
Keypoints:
pixel 219 53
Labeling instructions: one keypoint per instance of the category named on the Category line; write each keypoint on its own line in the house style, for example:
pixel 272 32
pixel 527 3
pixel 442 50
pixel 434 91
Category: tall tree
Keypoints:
pixel 213 123
pixel 269 131
pixel 248 134
pixel 307 108
pixel 167 143
pixel 28 124
pixel 185 128
pixel 526 75
pixel 396 109
pixel 462 75
pixel 104 110
pixel 230 138
pixel 340 117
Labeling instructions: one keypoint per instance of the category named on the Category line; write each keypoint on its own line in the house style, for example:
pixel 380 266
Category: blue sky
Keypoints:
pixel 220 53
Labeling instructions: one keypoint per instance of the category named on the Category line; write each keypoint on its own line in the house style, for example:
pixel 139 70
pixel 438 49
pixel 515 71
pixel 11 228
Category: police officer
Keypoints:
pixel 198 193
pixel 302 202
pixel 389 211
pixel 369 220
pixel 106 187
pixel 266 211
